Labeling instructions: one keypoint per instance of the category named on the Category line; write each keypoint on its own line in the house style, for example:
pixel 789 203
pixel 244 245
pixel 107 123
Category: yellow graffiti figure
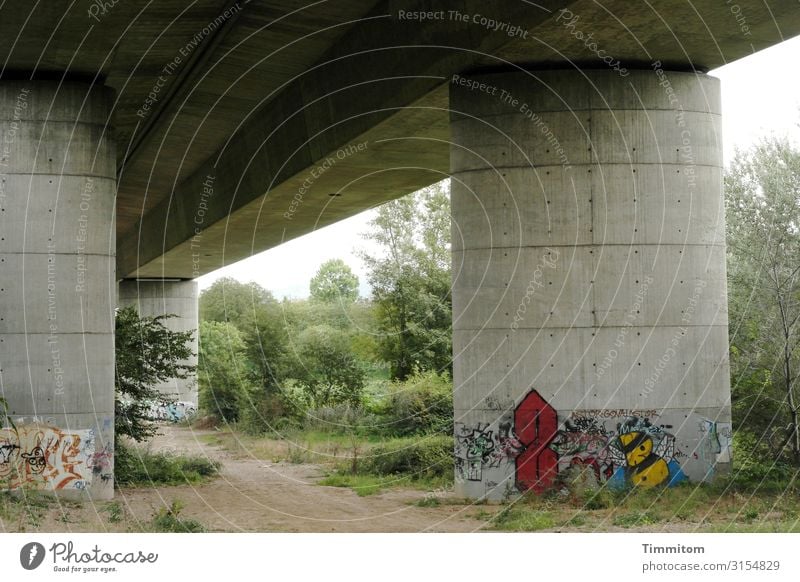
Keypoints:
pixel 645 468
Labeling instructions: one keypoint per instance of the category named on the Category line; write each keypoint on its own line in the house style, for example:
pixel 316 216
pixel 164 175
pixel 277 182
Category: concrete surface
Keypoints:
pixel 589 267
pixel 260 93
pixel 157 298
pixel 57 247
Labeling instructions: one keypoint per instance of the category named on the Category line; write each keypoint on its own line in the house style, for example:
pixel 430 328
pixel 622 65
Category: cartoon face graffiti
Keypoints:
pixel 645 468
pixel 36 460
pixel 637 447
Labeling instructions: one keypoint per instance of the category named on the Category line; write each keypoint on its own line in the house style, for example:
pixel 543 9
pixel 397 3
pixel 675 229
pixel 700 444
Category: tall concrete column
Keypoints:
pixel 153 298
pixel 57 247
pixel 589 292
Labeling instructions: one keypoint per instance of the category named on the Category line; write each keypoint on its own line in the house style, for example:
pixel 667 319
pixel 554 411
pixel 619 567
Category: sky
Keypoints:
pixel 760 96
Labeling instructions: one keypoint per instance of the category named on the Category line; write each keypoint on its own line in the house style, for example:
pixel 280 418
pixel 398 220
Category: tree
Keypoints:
pixel 223 370
pixel 327 367
pixel 763 212
pixel 261 322
pixel 229 300
pixel 147 354
pixel 334 282
pixel 410 279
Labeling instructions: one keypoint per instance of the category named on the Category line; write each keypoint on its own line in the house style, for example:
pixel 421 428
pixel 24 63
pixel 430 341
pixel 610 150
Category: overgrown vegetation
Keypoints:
pixel 147 354
pixel 265 363
pixel 136 466
pixel 762 203
pixel 169 520
pixel 373 376
pixel 376 373
pixel 731 504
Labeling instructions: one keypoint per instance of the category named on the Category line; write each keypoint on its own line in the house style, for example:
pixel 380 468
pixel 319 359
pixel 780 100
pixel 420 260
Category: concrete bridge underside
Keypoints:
pixel 157 142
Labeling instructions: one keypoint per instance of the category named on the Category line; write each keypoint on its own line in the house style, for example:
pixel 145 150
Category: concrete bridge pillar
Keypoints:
pixel 153 298
pixel 589 290
pixel 57 247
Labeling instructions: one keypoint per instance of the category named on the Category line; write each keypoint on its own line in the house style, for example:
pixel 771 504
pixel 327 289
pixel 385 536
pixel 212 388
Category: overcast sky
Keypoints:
pixel 760 95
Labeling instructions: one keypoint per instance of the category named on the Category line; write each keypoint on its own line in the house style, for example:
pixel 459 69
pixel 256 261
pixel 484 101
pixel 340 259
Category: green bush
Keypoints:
pixel 223 380
pixel 168 520
pixel 600 499
pixel 341 419
pixel 421 404
pixel 270 413
pixel 754 468
pixel 427 457
pixel 134 466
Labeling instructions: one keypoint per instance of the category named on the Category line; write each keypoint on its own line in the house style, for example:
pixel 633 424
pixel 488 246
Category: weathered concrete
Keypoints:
pixel 276 93
pixel 589 290
pixel 245 125
pixel 179 298
pixel 57 247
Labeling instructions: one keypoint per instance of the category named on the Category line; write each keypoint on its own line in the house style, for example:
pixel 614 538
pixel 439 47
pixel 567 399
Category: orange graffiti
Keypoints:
pixel 38 456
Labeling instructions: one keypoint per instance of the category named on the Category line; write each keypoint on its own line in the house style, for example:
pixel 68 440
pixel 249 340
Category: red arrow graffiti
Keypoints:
pixel 536 424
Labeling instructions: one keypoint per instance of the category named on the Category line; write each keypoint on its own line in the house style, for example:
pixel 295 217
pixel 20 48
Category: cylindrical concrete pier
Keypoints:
pixel 153 298
pixel 589 291
pixel 57 248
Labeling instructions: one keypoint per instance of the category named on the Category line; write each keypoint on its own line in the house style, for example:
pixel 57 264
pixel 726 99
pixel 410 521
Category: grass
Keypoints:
pixel 416 462
pixel 168 520
pixel 372 464
pixel 366 464
pixel 364 485
pixel 517 519
pixel 138 467
pixel 635 518
pixel 24 508
pixel 295 447
pixel 115 511
pixel 700 508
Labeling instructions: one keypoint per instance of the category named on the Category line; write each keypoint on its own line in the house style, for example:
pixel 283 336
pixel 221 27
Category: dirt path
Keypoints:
pixel 257 496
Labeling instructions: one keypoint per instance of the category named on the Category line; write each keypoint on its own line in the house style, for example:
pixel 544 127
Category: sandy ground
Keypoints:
pixel 251 495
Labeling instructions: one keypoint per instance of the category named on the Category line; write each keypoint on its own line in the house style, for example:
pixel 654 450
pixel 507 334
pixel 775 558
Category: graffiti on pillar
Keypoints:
pixel 536 423
pixel 583 443
pixel 171 411
pixel 644 454
pixel 481 447
pixel 636 452
pixel 45 457
pixel 530 447
pixel 474 447
pixel 715 444
pixel 101 463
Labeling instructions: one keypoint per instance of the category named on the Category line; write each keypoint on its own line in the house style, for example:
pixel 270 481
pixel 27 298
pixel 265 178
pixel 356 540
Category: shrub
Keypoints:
pixel 421 404
pixel 754 468
pixel 342 419
pixel 168 520
pixel 147 354
pixel 268 413
pixel 222 377
pixel 330 372
pixel 133 466
pixel 600 499
pixel 424 458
